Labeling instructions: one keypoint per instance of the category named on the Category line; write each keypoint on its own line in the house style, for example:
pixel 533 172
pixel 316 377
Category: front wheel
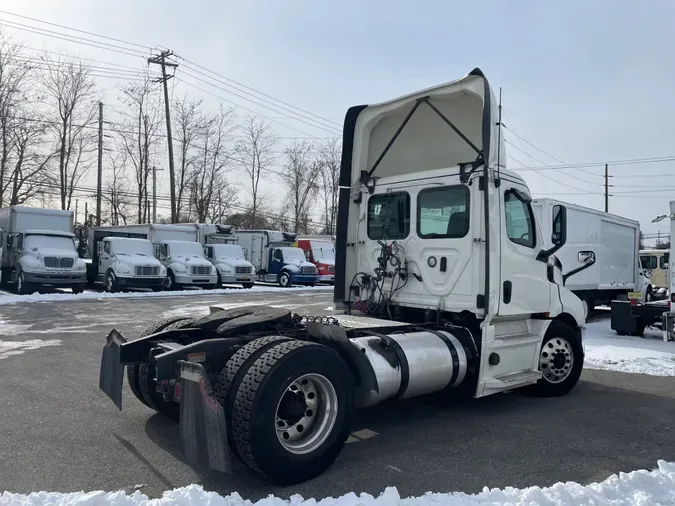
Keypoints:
pixel 292 411
pixel 78 289
pixel 285 279
pixel 561 360
pixel 23 287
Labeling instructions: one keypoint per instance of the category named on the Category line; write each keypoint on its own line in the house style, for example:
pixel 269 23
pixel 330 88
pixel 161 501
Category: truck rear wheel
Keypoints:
pixel 292 411
pixel 132 370
pixel 231 375
pixel 561 360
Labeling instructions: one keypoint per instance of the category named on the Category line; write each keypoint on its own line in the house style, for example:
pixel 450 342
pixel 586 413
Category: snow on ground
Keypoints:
pixel 63 297
pixel 642 487
pixel 605 349
pixel 11 348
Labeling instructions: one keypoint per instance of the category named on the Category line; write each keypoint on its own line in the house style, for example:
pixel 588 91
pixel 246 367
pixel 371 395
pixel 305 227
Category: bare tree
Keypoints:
pixel 256 155
pixel 328 156
pixel 208 179
pixel 300 176
pixel 71 92
pixel 15 76
pixel 139 134
pixel 116 194
pixel 188 119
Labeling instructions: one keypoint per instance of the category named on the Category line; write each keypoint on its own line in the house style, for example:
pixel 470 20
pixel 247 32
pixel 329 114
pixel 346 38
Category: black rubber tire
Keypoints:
pixel 544 388
pixel 110 286
pixel 132 370
pixel 22 287
pixel 247 285
pixel 78 289
pixel 231 375
pixel 640 330
pixel 254 413
pixel 285 275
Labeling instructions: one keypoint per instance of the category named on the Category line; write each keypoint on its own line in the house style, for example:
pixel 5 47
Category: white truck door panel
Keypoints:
pixel 104 258
pixel 524 285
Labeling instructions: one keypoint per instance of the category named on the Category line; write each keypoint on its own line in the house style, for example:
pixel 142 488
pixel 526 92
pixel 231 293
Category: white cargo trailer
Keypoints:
pixel 40 249
pixel 615 241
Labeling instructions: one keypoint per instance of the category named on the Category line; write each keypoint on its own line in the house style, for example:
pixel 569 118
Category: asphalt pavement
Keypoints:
pixel 60 433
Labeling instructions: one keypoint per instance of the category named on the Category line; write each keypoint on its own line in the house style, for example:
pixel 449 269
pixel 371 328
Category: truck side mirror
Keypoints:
pixel 586 257
pixel 559 235
pixel 10 241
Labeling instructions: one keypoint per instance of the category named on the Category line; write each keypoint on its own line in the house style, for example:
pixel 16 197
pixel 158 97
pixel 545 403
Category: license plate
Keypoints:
pixel 244 278
pixel 635 295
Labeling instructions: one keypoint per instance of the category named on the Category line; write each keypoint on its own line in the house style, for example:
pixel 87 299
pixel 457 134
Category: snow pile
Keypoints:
pixel 651 488
pixel 63 297
pixel 605 349
pixel 11 348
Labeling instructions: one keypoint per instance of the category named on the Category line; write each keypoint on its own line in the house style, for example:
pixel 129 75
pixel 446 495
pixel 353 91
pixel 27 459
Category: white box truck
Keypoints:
pixel 123 259
pixel 276 259
pixel 466 310
pixel 40 250
pixel 615 241
pixel 178 250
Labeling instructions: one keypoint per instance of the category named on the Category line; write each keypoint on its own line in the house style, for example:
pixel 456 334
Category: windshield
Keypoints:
pixel 228 251
pixel 133 247
pixel 186 249
pixel 295 254
pixel 48 241
pixel 323 251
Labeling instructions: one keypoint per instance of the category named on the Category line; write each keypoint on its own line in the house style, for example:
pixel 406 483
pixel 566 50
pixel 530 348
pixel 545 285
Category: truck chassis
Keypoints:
pixel 278 390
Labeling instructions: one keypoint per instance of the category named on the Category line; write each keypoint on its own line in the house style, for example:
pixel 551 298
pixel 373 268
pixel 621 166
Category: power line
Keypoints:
pixel 547 177
pixel 628 161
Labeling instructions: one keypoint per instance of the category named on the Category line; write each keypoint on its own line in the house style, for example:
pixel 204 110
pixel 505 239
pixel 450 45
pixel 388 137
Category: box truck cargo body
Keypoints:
pixel 615 241
pixel 40 249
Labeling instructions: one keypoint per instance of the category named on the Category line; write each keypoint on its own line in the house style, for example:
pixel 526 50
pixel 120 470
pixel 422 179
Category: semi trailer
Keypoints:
pixel 444 285
pixel 40 250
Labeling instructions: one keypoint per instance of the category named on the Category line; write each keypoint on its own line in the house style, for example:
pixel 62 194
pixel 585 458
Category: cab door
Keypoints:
pixel 104 258
pixel 525 287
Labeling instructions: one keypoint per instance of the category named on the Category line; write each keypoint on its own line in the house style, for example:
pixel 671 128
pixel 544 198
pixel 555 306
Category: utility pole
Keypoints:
pixel 99 182
pixel 76 205
pixel 161 60
pixel 86 214
pixel 606 188
pixel 154 194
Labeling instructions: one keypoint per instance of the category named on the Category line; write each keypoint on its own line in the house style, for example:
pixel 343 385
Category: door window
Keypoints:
pixel 389 216
pixel 209 252
pixel 19 242
pixel 648 261
pixel 663 261
pixel 519 220
pixel 106 247
pixel 443 212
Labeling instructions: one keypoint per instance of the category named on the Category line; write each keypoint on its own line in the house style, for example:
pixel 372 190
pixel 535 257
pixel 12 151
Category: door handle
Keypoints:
pixel 507 291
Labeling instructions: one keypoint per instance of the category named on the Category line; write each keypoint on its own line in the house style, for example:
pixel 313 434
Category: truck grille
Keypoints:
pixel 308 270
pixel 200 270
pixel 147 270
pixel 59 263
pixel 243 270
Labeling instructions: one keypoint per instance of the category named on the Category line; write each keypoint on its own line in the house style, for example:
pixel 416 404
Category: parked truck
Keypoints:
pixel 123 258
pixel 177 249
pixel 320 252
pixel 437 291
pixel 632 317
pixel 40 250
pixel 276 259
pixel 615 241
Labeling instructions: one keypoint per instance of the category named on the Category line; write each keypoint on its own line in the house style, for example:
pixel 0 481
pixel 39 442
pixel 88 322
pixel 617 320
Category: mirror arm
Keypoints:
pixel 576 271
pixel 544 254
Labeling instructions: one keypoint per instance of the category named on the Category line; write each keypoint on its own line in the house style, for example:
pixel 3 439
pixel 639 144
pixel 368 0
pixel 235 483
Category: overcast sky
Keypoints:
pixel 584 82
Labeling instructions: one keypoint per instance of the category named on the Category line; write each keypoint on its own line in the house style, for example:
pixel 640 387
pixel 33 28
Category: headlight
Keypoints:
pixel 179 268
pixel 225 268
pixel 122 269
pixel 162 270
pixel 31 263
pixel 81 267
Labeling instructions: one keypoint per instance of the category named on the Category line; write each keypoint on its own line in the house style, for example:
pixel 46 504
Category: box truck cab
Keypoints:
pixel 124 262
pixel 275 259
pixel 654 264
pixel 321 253
pixel 186 264
pixel 231 264
pixel 40 250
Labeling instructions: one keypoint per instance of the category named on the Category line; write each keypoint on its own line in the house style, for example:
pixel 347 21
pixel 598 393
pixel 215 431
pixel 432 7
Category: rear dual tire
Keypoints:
pixel 288 405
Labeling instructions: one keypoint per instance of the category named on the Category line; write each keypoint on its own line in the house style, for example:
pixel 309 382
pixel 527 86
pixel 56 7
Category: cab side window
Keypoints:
pixel 106 247
pixel 519 220
pixel 19 242
pixel 663 261
pixel 209 252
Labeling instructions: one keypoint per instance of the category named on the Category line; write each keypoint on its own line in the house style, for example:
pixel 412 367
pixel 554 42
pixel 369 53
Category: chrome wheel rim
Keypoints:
pixel 306 414
pixel 556 359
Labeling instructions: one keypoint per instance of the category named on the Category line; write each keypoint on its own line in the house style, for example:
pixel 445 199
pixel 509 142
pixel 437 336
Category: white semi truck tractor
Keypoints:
pixel 443 285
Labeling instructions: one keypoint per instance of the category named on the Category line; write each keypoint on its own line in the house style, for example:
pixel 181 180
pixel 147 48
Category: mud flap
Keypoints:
pixel 111 372
pixel 202 426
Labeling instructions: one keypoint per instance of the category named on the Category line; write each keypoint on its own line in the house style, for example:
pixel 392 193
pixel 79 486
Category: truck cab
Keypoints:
pixel 44 258
pixel 124 262
pixel 230 263
pixel 186 265
pixel 290 266
pixel 321 253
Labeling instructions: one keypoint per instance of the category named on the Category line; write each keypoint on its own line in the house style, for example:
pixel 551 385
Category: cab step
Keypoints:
pixel 513 380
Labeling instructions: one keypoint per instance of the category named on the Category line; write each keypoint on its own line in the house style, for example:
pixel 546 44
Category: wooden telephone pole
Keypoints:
pixel 161 60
